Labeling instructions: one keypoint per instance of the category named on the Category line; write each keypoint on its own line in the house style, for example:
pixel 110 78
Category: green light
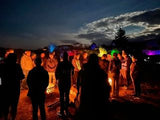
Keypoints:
pixel 114 51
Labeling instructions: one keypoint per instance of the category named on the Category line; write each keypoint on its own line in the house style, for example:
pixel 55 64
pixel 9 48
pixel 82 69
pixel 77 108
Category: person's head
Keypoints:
pixel 93 59
pixel 134 58
pixel 11 58
pixel 8 52
pixel 51 56
pixel 85 55
pixel 28 53
pixel 109 57
pixel 119 56
pixel 38 61
pixel 65 56
pixel 42 55
pixel 123 53
pixel 125 56
pixel 115 56
pixel 33 56
pixel 104 56
pixel 77 56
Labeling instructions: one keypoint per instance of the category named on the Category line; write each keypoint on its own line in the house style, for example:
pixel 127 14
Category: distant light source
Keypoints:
pixel 93 46
pixel 102 51
pixel 114 51
pixel 51 48
pixel 151 52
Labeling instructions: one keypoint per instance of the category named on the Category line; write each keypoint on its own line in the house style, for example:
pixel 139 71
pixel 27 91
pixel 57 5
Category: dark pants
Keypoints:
pixel 64 99
pixel 38 102
pixel 10 104
pixel 136 85
pixel 115 84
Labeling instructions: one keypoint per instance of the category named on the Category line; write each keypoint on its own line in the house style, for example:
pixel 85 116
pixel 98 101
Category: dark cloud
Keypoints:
pixel 68 41
pixel 151 17
pixel 92 36
pixel 104 30
pixel 146 38
pixel 102 41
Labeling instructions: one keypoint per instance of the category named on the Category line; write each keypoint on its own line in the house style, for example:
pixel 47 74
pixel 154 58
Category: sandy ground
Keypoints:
pixel 122 108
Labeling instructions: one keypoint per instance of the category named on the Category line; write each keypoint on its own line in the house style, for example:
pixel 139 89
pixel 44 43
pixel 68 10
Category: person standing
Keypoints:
pixel 125 64
pixel 51 65
pixel 11 77
pixel 94 91
pixel 26 64
pixel 64 72
pixel 37 81
pixel 114 68
pixel 135 76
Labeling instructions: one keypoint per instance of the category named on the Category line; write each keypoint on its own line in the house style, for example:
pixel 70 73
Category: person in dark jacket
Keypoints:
pixel 37 81
pixel 11 76
pixel 94 91
pixel 135 75
pixel 63 75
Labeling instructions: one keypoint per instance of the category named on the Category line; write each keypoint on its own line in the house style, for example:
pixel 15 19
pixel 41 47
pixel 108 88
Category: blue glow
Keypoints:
pixel 93 46
pixel 51 48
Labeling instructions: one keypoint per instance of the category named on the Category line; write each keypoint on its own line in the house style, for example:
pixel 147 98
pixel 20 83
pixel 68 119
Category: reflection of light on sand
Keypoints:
pixel 73 94
pixel 110 81
pixel 50 88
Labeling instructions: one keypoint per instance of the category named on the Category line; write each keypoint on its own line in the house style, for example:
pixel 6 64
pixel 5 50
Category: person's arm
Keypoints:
pixel 29 79
pixel 46 80
pixel 20 73
pixel 57 72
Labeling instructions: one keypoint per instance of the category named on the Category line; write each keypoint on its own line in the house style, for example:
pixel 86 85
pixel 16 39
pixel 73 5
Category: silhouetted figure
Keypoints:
pixel 11 76
pixel 94 92
pixel 37 81
pixel 114 68
pixel 63 75
pixel 135 76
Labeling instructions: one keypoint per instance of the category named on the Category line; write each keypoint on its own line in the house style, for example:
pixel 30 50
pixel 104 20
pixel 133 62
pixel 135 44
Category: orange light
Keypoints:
pixel 110 81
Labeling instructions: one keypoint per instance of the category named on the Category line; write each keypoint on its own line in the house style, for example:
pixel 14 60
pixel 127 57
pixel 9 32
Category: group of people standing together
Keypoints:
pixel 123 71
pixel 88 73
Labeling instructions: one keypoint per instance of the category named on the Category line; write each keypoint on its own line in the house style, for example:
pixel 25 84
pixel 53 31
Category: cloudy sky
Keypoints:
pixel 37 23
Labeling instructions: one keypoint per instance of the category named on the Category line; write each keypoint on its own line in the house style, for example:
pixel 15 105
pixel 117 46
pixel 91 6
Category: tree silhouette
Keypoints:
pixel 120 39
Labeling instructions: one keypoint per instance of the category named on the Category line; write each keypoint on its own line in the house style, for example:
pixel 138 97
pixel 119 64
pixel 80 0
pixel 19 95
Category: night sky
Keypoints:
pixel 37 23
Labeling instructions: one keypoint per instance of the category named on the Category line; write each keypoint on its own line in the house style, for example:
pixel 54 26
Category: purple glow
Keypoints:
pixel 151 52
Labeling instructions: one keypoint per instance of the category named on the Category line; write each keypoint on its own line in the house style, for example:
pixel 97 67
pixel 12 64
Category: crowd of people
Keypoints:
pixel 88 73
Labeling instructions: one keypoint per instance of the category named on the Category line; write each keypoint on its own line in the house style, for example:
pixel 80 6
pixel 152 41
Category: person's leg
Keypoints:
pixel 42 108
pixel 14 106
pixel 6 105
pixel 50 79
pixel 137 87
pixel 54 79
pixel 133 83
pixel 114 88
pixel 62 107
pixel 117 85
pixel 67 100
pixel 24 81
pixel 35 108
